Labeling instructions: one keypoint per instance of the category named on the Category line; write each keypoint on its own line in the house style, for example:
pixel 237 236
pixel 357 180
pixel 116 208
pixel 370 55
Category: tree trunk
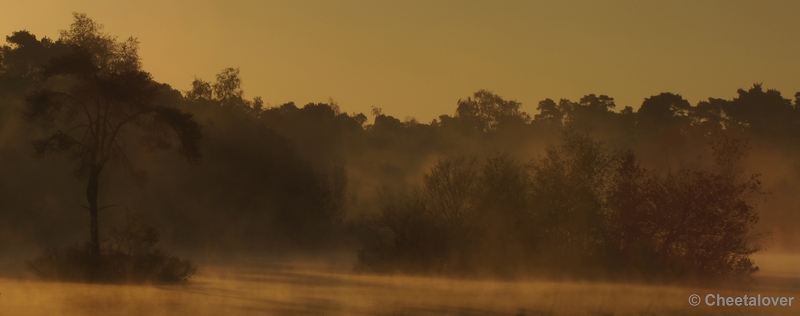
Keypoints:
pixel 91 196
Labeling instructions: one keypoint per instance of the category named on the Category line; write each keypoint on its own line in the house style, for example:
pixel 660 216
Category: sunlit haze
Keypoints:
pixel 383 157
pixel 417 58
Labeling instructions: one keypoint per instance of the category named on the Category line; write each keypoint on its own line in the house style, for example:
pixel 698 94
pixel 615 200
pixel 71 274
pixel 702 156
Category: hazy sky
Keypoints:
pixel 417 58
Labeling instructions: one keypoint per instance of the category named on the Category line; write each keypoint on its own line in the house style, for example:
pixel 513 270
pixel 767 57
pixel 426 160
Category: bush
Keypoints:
pixel 581 210
pixel 129 256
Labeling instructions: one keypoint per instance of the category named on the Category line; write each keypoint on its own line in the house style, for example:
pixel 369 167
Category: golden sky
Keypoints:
pixel 417 58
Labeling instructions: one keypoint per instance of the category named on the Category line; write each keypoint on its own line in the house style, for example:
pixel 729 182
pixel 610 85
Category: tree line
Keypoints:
pixel 575 186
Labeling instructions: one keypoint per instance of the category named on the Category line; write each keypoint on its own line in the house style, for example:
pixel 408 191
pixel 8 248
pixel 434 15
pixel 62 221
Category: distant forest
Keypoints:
pixel 581 188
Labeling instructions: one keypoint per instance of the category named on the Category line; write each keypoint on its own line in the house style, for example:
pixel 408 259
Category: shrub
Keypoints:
pixel 129 256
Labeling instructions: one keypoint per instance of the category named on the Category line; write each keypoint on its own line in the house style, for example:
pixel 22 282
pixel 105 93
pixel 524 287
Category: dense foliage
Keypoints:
pixel 580 209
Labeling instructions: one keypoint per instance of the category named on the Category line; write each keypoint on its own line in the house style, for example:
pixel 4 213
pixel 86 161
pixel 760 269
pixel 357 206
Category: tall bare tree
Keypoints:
pixel 95 99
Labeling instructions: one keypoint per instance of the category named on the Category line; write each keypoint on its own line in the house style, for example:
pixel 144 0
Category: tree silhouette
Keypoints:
pixel 485 111
pixel 766 114
pixel 21 62
pixel 97 99
pixel 549 112
pixel 663 111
